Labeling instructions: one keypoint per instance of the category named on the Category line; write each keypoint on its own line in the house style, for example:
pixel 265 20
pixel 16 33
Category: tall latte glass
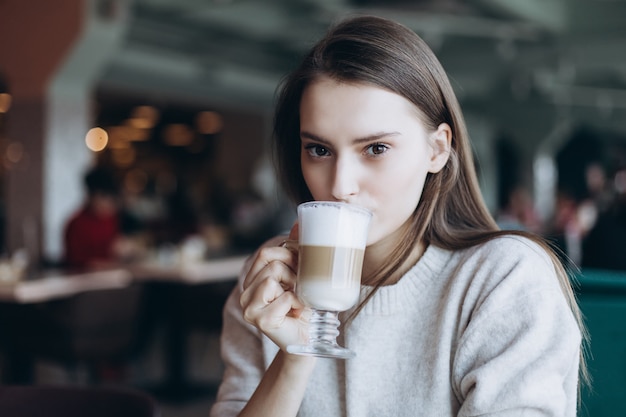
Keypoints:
pixel 332 242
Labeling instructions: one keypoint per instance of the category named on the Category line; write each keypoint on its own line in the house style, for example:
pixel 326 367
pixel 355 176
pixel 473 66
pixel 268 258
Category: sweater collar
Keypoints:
pixel 413 285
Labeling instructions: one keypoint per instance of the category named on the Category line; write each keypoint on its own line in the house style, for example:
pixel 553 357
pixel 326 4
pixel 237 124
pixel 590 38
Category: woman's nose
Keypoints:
pixel 345 180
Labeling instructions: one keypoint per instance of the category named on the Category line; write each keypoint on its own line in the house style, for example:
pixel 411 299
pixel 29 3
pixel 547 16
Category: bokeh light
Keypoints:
pixel 5 102
pixel 96 139
pixel 14 152
pixel 209 122
pixel 123 157
pixel 144 117
pixel 178 134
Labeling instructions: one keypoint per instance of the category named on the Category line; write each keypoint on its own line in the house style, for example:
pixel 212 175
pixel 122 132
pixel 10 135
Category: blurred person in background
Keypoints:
pixel 599 189
pixel 604 247
pixel 518 212
pixel 577 212
pixel 93 236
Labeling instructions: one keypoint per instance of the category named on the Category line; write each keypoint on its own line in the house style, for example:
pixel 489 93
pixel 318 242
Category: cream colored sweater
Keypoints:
pixel 483 331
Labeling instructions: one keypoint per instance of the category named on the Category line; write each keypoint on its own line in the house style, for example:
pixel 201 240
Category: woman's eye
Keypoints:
pixel 376 149
pixel 316 150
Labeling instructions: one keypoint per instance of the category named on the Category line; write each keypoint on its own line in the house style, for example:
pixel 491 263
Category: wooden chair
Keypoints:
pixel 87 329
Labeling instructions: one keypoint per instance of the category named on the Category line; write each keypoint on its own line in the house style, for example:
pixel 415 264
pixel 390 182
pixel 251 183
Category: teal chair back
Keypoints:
pixel 602 299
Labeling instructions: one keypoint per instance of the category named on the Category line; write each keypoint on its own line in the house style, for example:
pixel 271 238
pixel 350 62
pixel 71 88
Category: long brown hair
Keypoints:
pixel 376 51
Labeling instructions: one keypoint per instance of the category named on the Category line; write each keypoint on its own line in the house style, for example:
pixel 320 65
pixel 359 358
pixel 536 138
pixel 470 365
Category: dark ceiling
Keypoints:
pixel 563 55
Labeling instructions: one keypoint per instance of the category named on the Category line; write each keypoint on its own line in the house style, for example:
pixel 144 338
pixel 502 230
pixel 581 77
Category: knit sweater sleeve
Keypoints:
pixel 246 352
pixel 518 353
pixel 242 354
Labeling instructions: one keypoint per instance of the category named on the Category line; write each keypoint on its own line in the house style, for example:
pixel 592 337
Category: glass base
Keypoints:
pixel 322 351
pixel 323 333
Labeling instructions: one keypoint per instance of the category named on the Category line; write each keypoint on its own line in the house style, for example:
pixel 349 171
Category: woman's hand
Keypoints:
pixel 268 299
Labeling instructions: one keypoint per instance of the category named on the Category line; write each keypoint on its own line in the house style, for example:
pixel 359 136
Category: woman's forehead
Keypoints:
pixel 330 97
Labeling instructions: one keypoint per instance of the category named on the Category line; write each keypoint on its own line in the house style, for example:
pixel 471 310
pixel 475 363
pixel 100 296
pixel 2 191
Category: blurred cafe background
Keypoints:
pixel 173 100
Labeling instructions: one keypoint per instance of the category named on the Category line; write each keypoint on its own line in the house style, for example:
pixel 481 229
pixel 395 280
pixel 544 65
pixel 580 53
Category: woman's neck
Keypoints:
pixel 379 253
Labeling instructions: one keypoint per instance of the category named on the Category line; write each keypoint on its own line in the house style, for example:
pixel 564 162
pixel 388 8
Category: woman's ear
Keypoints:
pixel 441 141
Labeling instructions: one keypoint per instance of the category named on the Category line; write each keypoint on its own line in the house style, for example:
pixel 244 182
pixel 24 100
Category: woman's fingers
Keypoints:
pixel 285 252
pixel 267 257
pixel 276 311
pixel 268 300
pixel 283 321
pixel 274 315
pixel 263 290
pixel 274 275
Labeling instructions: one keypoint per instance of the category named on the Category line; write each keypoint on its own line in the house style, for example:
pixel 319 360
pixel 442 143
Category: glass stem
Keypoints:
pixel 323 327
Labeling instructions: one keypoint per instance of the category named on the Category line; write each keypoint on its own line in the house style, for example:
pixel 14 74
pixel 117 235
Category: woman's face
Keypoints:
pixel 367 146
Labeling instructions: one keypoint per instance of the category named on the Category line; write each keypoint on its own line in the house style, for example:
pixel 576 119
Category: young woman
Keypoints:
pixel 456 317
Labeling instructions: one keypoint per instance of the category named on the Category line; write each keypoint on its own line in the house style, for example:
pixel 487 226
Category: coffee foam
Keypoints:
pixel 323 224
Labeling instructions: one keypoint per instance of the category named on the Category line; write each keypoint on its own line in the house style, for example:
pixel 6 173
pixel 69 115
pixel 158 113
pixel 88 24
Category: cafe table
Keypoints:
pixel 192 272
pixel 54 284
pixel 183 294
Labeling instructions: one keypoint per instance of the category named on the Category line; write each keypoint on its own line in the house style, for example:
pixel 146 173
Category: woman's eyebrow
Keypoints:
pixel 368 138
pixel 316 138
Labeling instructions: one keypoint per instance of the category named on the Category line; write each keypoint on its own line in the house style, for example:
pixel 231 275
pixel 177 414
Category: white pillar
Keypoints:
pixel 545 173
pixel 69 116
